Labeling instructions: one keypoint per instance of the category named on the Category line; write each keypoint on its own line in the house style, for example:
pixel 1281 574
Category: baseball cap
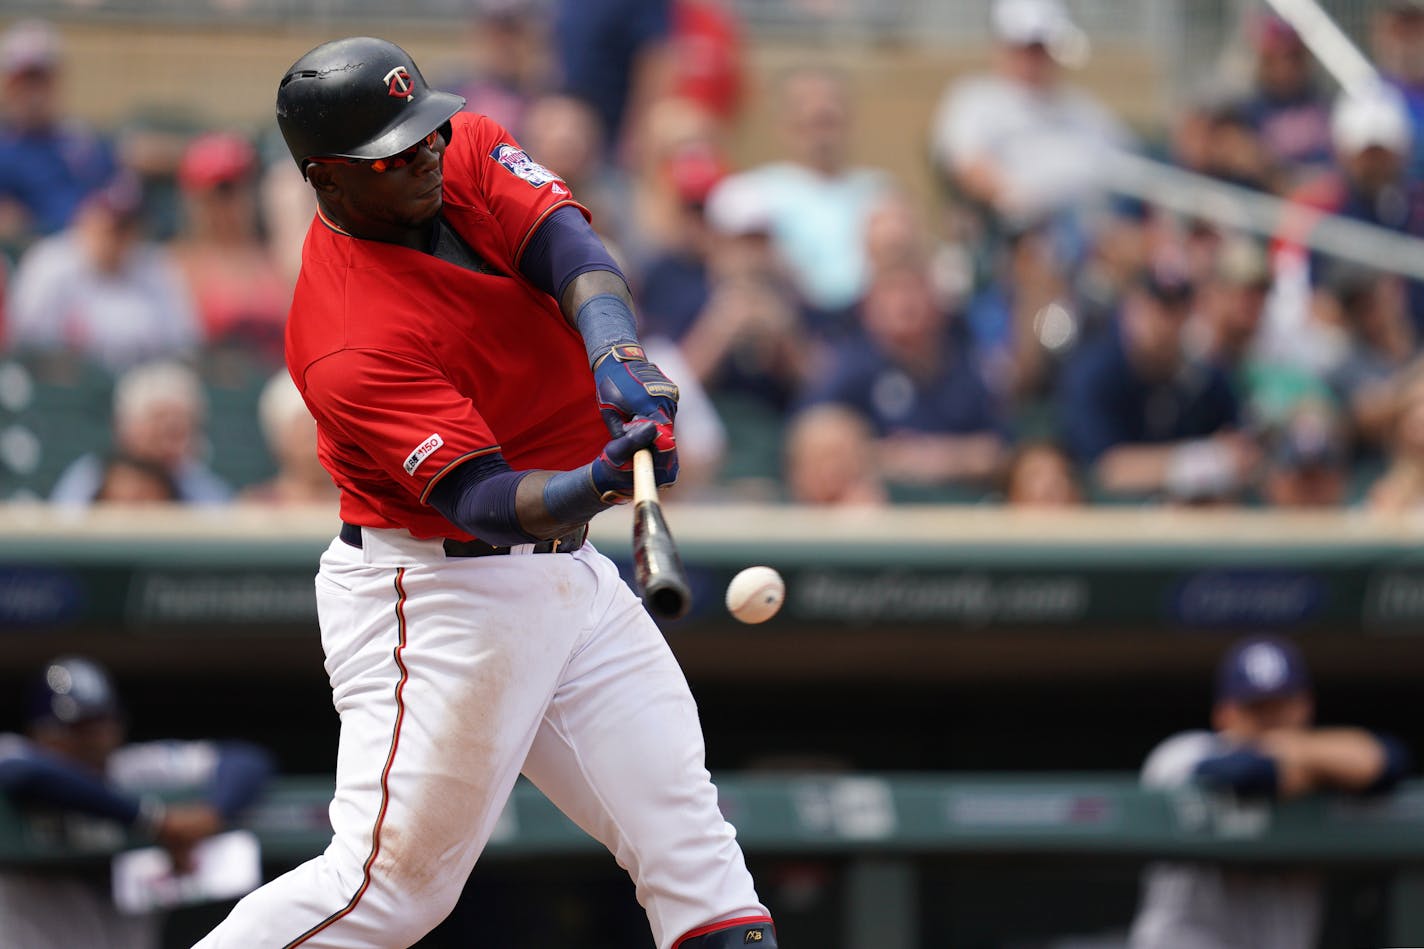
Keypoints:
pixel 1023 22
pixel 71 689
pixel 121 197
pixel 29 46
pixel 1040 22
pixel 1375 116
pixel 1270 32
pixel 1262 667
pixel 214 158
pixel 736 207
pixel 694 169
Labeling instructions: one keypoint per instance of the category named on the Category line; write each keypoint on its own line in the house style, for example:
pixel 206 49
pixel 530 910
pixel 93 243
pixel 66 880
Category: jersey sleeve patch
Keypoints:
pixel 517 162
pixel 429 446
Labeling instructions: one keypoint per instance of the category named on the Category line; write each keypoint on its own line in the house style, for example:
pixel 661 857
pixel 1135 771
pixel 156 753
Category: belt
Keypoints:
pixel 567 544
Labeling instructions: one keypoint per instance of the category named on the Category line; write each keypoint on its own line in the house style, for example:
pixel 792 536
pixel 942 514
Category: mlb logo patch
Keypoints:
pixel 423 451
pixel 517 162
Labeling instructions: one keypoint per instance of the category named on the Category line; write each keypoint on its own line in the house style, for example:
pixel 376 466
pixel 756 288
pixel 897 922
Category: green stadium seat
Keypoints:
pixel 54 407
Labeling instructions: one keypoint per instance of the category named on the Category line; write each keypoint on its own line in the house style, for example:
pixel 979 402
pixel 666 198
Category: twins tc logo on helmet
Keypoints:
pixel 399 84
pixel 517 162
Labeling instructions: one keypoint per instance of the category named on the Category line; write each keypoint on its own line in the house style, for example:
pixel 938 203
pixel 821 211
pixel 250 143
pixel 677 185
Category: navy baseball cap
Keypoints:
pixel 1263 667
pixel 71 689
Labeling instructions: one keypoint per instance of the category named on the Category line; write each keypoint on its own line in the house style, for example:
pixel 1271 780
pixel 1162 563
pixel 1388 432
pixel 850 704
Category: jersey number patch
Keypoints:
pixel 517 162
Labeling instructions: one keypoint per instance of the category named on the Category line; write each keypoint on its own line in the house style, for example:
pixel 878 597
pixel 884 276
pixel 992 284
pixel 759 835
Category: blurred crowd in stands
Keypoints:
pixel 1031 336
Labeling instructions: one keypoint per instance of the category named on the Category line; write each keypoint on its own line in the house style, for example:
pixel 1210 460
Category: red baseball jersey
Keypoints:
pixel 412 365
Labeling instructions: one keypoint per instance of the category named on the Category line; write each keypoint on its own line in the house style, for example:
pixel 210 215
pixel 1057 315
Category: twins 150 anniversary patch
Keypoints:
pixel 518 163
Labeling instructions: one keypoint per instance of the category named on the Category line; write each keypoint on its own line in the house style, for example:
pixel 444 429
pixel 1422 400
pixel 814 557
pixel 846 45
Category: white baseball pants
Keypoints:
pixel 451 675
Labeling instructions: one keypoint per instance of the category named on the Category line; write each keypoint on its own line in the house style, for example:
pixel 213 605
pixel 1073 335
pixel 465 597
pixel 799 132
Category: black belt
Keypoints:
pixel 573 540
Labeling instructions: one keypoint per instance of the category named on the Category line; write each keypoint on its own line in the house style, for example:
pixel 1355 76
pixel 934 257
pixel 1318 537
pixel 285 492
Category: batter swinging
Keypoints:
pixel 451 302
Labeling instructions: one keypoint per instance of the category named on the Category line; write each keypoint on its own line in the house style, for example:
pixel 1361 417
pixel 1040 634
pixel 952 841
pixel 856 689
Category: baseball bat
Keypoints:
pixel 656 565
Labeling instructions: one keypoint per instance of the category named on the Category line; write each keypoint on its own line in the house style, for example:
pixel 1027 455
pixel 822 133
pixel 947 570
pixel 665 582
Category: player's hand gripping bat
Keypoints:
pixel 656 565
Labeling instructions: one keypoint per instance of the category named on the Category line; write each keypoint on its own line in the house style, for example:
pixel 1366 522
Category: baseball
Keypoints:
pixel 755 594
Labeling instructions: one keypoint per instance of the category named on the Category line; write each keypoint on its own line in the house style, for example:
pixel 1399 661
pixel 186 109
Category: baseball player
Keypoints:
pixel 451 303
pixel 1263 747
pixel 72 768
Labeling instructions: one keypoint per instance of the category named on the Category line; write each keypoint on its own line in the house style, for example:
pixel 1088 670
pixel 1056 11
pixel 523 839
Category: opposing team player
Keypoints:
pixel 74 767
pixel 452 301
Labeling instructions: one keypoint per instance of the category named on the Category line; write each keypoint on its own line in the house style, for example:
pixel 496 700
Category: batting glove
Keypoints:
pixel 612 471
pixel 630 387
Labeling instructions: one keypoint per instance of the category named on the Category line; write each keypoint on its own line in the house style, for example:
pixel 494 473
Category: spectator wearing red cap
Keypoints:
pixel 99 289
pixel 239 292
pixel 48 162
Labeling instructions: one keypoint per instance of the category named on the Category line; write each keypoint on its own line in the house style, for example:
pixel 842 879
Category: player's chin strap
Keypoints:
pixel 731 934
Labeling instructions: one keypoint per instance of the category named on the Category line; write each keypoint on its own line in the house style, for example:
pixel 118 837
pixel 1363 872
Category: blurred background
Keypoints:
pixel 1047 349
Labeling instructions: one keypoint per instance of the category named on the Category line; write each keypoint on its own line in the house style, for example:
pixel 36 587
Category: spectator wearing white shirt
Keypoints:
pixel 100 289
pixel 1020 142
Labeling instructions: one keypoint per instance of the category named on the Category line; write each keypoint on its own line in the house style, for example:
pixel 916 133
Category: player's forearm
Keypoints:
pixel 1134 468
pixel 57 783
pixel 1347 759
pixel 932 458
pixel 572 504
pixel 599 305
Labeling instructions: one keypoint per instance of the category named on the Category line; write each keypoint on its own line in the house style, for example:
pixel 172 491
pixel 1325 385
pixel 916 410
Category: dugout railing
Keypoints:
pixel 882 824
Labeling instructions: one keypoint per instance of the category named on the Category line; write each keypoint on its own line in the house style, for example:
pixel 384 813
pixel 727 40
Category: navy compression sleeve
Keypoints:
pixel 478 498
pixel 241 773
pixel 561 248
pixel 1244 770
pixel 44 779
pixel 1397 762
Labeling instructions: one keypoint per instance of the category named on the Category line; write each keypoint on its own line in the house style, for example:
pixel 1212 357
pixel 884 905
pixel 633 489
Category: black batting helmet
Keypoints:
pixel 358 97
pixel 71 689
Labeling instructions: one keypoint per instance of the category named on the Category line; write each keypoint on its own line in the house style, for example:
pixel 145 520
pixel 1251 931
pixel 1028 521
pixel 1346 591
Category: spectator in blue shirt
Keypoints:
pixel 1397 44
pixel 73 761
pixel 1141 416
pixel 48 164
pixel 1372 134
pixel 933 416
pixel 613 55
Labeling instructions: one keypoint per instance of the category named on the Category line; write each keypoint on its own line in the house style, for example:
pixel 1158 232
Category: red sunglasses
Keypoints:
pixel 379 165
